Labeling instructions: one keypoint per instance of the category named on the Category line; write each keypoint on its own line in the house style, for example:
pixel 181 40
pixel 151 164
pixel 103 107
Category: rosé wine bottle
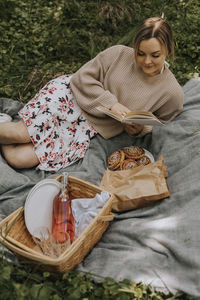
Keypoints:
pixel 63 225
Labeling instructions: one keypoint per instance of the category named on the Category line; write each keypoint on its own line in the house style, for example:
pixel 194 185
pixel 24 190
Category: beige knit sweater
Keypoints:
pixel 113 76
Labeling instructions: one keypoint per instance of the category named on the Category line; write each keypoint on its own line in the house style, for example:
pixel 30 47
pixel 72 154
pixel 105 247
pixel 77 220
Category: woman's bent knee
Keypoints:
pixel 23 134
pixel 20 156
pixel 12 133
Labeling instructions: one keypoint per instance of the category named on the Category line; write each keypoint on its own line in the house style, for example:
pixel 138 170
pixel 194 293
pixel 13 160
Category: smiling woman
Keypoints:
pixel 59 122
pixel 151 56
pixel 153 42
pixel 132 79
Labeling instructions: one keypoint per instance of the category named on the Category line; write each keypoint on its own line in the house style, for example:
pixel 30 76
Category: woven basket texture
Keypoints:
pixel 15 236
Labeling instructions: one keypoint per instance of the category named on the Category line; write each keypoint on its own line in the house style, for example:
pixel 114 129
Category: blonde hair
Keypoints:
pixel 156 27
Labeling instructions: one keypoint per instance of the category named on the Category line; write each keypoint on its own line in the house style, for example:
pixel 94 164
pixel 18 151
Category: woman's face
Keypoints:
pixel 151 56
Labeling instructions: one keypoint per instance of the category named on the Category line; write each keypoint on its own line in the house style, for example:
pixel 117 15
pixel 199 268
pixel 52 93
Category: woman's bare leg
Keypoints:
pixel 20 156
pixel 14 133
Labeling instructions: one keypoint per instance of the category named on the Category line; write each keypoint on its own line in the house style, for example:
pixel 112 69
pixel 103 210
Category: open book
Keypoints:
pixel 136 116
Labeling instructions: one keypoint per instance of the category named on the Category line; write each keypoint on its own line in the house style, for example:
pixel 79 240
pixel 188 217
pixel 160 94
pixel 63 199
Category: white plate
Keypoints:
pixel 38 207
pixel 149 155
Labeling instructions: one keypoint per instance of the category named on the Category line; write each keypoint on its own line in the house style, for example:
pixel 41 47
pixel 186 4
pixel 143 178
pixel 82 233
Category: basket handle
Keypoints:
pixel 107 218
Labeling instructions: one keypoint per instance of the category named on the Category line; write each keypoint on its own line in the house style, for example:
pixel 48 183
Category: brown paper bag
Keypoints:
pixel 137 187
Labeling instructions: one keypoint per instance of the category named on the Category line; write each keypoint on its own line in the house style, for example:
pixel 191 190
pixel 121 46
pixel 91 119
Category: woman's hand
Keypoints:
pixel 120 109
pixel 123 110
pixel 133 129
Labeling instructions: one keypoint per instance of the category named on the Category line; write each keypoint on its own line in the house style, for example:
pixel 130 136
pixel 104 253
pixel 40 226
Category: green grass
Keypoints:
pixel 25 283
pixel 45 38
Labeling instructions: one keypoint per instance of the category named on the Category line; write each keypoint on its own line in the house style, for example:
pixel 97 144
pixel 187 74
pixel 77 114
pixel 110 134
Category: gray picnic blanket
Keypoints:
pixel 159 244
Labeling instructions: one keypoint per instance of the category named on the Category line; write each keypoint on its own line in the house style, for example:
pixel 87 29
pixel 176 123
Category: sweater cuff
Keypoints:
pixel 107 99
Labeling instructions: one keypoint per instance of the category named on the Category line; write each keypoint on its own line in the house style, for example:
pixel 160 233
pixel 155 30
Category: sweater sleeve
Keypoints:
pixel 171 107
pixel 88 82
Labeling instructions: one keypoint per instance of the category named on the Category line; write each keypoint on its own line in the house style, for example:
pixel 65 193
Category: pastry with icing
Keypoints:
pixel 128 164
pixel 134 152
pixel 144 160
pixel 115 159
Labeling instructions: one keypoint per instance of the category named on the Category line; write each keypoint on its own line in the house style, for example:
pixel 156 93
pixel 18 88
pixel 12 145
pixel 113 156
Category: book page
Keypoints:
pixel 140 113
pixel 142 121
pixel 136 116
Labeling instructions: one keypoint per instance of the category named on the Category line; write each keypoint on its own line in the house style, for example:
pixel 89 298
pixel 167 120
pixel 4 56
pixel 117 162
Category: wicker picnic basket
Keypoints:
pixel 15 236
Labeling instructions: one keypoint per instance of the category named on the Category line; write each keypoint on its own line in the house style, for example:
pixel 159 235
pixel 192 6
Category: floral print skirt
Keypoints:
pixel 57 128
